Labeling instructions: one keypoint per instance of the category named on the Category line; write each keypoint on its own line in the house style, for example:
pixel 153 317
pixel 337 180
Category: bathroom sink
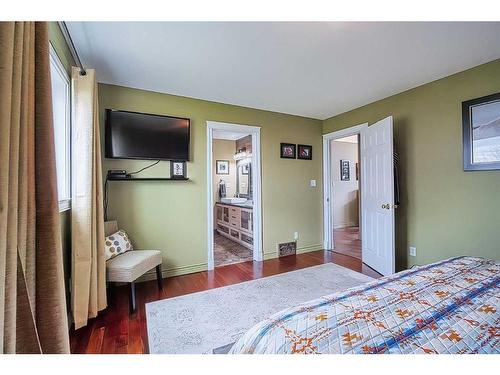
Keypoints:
pixel 233 200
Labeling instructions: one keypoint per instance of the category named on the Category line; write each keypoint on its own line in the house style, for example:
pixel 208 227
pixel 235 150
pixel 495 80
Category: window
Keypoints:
pixel 61 107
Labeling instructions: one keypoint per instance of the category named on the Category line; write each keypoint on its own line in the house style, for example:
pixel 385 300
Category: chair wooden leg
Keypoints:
pixel 159 277
pixel 131 296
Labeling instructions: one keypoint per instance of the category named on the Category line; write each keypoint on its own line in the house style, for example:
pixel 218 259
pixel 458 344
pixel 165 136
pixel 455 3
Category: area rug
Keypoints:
pixel 200 322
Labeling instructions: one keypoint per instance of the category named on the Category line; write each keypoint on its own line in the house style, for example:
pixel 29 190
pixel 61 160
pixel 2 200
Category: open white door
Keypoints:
pixel 377 197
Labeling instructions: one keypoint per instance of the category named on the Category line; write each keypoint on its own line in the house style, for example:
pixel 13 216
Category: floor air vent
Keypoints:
pixel 287 248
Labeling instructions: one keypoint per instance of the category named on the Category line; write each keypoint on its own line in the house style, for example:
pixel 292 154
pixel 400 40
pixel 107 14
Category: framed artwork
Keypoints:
pixel 287 151
pixel 345 170
pixel 222 167
pixel 304 152
pixel 177 169
pixel 481 133
pixel 244 168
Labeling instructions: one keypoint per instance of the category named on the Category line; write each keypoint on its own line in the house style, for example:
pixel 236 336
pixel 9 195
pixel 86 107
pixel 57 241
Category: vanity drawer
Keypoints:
pixel 223 228
pixel 235 217
pixel 235 234
pixel 247 239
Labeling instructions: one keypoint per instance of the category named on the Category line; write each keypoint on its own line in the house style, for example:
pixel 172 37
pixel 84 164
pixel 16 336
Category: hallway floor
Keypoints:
pixel 347 241
pixel 229 252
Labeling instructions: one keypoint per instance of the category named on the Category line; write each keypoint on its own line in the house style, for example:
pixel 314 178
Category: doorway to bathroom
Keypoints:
pixel 234 203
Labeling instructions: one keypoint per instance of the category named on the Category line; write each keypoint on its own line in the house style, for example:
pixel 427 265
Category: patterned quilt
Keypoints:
pixel 447 307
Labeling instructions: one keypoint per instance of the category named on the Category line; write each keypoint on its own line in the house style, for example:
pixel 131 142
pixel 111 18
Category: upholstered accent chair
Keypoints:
pixel 129 266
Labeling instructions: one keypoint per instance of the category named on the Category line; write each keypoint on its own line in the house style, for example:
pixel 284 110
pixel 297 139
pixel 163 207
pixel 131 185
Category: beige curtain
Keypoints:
pixel 32 298
pixel 87 223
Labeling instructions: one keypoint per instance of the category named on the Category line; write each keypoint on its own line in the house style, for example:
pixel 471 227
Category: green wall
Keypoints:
pixel 171 216
pixel 445 211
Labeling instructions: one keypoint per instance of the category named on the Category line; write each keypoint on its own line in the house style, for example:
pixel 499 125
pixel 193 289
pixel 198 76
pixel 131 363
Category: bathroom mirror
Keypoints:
pixel 244 179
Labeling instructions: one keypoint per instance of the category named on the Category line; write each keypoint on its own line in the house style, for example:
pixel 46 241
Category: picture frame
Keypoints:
pixel 222 167
pixel 287 151
pixel 481 133
pixel 304 152
pixel 244 168
pixel 178 169
pixel 345 170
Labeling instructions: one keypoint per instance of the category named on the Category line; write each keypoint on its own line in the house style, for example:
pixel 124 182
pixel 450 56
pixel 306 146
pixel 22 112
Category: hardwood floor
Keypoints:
pixel 347 241
pixel 115 331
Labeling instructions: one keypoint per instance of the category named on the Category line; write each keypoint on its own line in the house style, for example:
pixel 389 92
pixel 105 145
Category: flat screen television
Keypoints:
pixel 132 135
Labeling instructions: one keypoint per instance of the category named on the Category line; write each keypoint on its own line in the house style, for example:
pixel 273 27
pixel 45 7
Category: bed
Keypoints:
pixel 451 306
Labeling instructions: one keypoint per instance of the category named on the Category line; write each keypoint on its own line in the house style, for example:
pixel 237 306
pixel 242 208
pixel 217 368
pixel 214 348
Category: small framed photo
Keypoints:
pixel 244 168
pixel 345 170
pixel 481 133
pixel 287 151
pixel 178 169
pixel 222 167
pixel 304 152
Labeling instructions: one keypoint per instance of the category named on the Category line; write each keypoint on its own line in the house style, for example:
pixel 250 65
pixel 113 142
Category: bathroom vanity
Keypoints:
pixel 235 221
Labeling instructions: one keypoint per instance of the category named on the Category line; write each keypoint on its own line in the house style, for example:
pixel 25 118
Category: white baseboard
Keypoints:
pixel 309 248
pixel 176 271
pixel 270 255
pixel 184 270
pixel 300 250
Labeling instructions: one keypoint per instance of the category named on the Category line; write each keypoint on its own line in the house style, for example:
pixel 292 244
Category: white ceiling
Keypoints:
pixel 310 69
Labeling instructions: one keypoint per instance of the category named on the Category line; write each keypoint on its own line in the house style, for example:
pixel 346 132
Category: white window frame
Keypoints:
pixel 64 204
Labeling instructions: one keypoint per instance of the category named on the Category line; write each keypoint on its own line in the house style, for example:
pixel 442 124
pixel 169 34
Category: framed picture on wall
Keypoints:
pixel 222 167
pixel 244 168
pixel 481 133
pixel 345 170
pixel 304 152
pixel 287 151
pixel 178 169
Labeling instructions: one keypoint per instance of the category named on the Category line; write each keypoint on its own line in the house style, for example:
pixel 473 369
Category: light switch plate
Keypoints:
pixel 413 251
pixel 312 183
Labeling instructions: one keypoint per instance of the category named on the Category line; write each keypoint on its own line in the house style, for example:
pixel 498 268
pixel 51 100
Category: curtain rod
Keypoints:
pixel 71 45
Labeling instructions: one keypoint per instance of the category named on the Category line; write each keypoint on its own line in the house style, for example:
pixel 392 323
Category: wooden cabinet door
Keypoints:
pixel 235 234
pixel 246 220
pixel 219 212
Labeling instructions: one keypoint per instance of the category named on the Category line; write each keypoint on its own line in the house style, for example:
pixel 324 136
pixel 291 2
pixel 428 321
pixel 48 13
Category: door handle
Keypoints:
pixel 386 206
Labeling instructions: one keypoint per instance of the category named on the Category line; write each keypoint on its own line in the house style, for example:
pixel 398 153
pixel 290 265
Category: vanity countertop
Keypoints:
pixel 241 205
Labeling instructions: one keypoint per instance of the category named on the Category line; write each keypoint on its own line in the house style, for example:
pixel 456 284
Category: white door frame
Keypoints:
pixel 254 131
pixel 328 241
